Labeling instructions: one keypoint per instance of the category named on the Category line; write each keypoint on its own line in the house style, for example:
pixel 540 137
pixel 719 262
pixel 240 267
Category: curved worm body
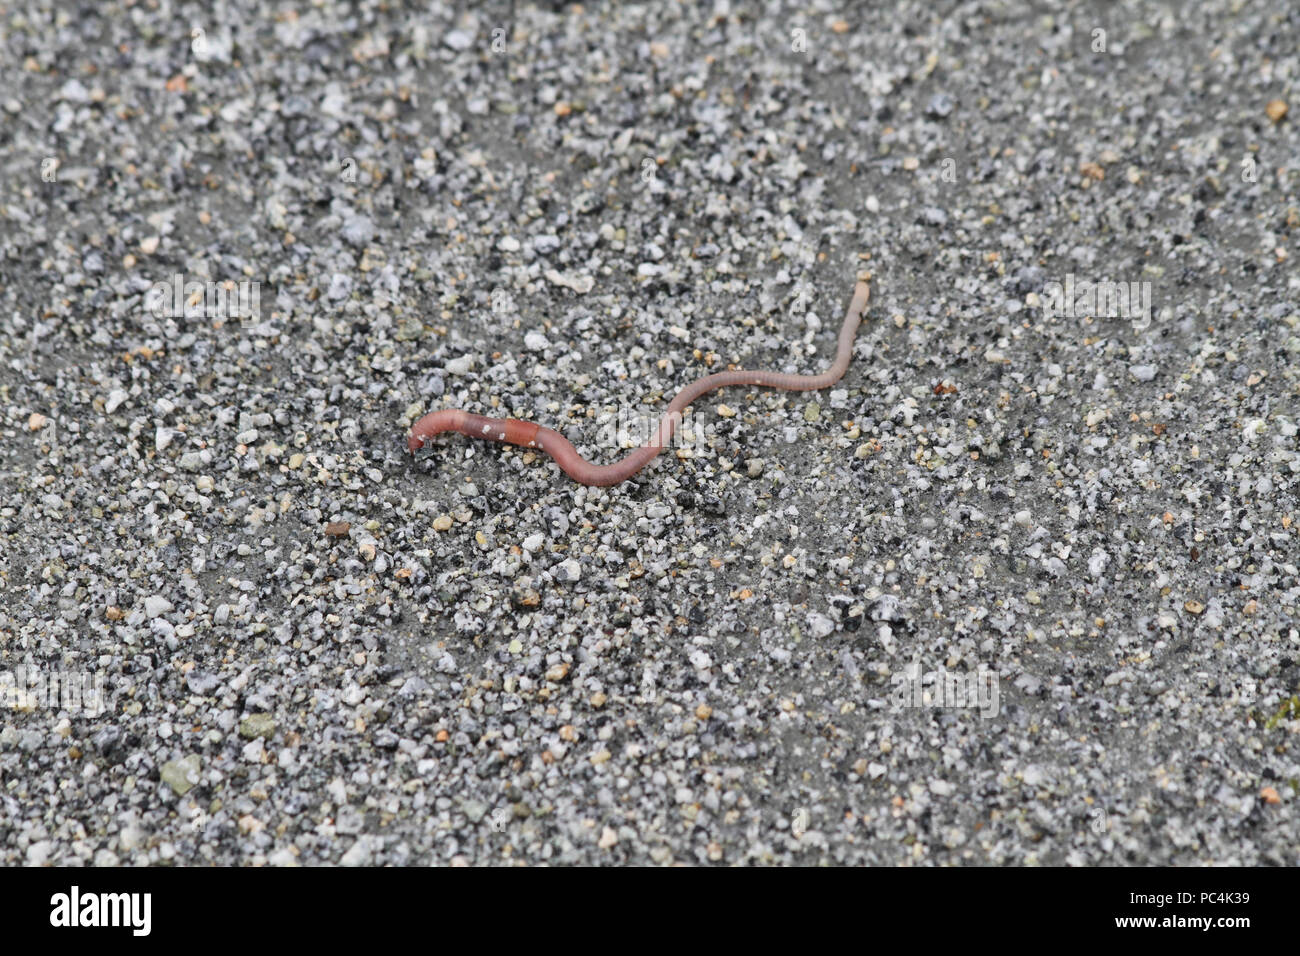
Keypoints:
pixel 512 431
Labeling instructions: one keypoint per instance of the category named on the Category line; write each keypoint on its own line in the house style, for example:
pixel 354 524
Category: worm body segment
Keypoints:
pixel 512 431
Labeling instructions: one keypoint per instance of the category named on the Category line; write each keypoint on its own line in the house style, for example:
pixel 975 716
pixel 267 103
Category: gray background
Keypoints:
pixel 495 665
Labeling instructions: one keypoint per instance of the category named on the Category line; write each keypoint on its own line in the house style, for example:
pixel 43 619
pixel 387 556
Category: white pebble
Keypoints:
pixel 156 604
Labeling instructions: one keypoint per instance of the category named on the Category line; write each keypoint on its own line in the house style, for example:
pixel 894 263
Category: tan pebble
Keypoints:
pixel 337 529
pixel 1276 110
pixel 557 673
pixel 1092 171
pixel 442 523
pixel 36 422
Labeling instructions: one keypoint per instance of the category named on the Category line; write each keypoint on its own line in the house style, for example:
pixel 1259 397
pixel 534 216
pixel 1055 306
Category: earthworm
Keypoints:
pixel 512 431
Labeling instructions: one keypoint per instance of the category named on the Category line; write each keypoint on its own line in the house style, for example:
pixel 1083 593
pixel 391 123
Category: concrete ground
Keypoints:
pixel 1020 589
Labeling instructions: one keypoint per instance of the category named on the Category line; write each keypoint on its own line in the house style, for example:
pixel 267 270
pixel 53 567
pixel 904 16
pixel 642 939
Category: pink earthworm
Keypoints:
pixel 512 431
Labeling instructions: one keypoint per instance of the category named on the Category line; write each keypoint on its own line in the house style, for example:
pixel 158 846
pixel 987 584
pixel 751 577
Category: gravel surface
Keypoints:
pixel 1075 524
